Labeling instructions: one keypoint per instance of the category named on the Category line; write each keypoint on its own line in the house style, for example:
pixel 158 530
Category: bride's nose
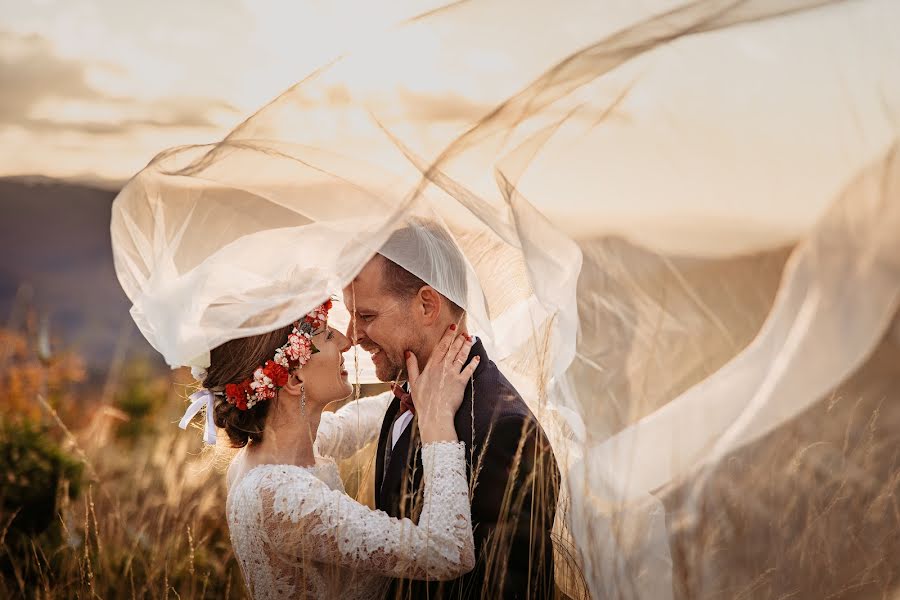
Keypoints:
pixel 343 342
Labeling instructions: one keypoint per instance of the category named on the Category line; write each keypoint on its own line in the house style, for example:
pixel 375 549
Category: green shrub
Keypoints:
pixel 38 476
pixel 37 471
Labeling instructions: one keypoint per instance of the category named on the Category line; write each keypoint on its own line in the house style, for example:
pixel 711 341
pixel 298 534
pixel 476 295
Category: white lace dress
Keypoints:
pixel 297 534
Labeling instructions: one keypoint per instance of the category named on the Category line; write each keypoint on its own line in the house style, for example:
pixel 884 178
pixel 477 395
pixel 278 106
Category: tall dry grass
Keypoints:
pixel 810 511
pixel 149 523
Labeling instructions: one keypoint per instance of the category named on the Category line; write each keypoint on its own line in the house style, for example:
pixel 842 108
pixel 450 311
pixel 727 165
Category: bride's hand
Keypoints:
pixel 438 389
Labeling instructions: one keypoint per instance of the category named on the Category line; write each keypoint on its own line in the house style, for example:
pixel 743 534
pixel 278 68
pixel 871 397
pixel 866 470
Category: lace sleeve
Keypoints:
pixel 343 432
pixel 306 520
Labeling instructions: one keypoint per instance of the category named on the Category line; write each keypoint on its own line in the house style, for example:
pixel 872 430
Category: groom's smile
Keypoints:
pixel 381 323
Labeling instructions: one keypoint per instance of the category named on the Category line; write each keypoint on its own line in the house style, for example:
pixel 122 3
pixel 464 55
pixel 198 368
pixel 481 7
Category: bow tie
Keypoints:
pixel 406 401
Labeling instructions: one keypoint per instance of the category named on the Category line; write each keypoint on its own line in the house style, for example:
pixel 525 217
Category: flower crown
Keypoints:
pixel 274 374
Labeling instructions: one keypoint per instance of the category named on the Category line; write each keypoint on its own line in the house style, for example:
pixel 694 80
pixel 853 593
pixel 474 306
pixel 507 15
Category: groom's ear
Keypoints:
pixel 428 302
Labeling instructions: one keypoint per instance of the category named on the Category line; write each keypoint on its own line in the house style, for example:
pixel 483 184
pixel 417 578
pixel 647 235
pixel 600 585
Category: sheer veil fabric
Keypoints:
pixel 680 228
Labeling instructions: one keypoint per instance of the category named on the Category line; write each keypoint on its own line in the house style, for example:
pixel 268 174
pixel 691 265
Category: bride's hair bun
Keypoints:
pixel 235 361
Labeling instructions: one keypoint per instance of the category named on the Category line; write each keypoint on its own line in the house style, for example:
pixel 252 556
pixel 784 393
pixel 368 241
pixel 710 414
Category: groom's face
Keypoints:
pixel 381 323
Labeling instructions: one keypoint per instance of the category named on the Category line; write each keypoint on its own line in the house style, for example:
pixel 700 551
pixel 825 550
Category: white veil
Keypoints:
pixel 706 357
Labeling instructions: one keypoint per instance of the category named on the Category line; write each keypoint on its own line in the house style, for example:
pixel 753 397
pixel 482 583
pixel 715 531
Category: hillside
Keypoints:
pixel 55 241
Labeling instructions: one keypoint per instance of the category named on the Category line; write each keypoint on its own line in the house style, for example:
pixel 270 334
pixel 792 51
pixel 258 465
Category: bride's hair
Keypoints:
pixel 235 361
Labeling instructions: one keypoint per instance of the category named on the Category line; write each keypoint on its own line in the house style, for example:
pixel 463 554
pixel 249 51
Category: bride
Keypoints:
pixel 295 532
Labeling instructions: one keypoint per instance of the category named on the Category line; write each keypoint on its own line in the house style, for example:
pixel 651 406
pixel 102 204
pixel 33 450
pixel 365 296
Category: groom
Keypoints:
pixel 513 476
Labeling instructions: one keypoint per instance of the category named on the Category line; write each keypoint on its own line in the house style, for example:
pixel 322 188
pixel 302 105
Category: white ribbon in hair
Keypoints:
pixel 198 399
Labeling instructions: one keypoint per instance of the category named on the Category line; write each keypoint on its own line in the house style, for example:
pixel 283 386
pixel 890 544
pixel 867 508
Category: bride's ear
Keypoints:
pixel 294 385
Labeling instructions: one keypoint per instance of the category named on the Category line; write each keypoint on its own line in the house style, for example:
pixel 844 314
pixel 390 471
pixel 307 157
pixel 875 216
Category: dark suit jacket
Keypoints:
pixel 513 485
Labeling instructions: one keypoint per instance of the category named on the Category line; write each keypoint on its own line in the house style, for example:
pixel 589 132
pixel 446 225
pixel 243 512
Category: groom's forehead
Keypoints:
pixel 365 286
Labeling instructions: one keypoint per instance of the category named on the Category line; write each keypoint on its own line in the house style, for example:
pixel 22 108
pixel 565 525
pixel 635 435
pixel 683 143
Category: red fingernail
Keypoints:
pixel 453 327
pixel 406 353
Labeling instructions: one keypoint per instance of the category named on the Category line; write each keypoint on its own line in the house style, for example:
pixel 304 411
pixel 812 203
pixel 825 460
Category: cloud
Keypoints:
pixel 417 106
pixel 30 72
pixel 170 113
pixel 442 107
pixel 46 92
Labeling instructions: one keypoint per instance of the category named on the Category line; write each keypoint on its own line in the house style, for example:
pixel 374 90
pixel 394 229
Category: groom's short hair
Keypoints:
pixel 429 250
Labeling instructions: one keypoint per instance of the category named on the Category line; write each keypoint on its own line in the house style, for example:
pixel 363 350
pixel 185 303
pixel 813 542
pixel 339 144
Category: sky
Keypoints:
pixel 98 87
pixel 761 121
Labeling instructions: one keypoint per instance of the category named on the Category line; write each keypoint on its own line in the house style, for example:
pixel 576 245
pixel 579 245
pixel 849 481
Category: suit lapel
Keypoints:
pixel 402 457
pixel 463 419
pixel 384 439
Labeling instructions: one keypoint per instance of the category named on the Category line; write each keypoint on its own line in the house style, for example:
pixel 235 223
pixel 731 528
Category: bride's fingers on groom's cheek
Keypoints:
pixel 412 367
pixel 447 339
pixel 458 343
pixel 470 368
pixel 467 345
pixel 462 353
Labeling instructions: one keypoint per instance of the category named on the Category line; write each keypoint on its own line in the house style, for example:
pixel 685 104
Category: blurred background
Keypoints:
pixel 104 496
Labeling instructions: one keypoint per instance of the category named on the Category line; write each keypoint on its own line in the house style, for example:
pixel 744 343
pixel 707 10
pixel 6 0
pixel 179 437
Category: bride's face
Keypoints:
pixel 324 376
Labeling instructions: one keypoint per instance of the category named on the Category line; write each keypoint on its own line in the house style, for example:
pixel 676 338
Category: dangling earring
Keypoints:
pixel 302 400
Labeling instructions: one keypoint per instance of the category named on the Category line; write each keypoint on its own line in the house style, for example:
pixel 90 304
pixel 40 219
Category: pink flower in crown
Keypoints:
pixel 298 348
pixel 319 315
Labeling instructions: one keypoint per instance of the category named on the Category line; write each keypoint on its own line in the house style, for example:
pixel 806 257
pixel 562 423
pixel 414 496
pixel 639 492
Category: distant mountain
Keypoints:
pixel 87 180
pixel 54 237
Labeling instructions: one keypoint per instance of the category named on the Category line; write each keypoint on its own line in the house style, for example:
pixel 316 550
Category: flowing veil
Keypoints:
pixel 680 223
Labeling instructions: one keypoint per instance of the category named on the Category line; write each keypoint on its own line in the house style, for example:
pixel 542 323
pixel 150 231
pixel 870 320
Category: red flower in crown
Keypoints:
pixel 278 374
pixel 236 393
pixel 232 392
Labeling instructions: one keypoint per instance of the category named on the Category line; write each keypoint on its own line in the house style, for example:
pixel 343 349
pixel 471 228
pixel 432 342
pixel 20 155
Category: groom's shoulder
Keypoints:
pixel 497 399
pixel 502 417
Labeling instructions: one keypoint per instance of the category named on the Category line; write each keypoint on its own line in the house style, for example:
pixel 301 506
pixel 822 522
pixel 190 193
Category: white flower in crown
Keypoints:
pixel 262 385
pixel 282 359
pixel 259 378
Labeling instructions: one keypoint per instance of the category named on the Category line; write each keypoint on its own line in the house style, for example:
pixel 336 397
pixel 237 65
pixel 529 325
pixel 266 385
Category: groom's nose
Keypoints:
pixel 355 333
